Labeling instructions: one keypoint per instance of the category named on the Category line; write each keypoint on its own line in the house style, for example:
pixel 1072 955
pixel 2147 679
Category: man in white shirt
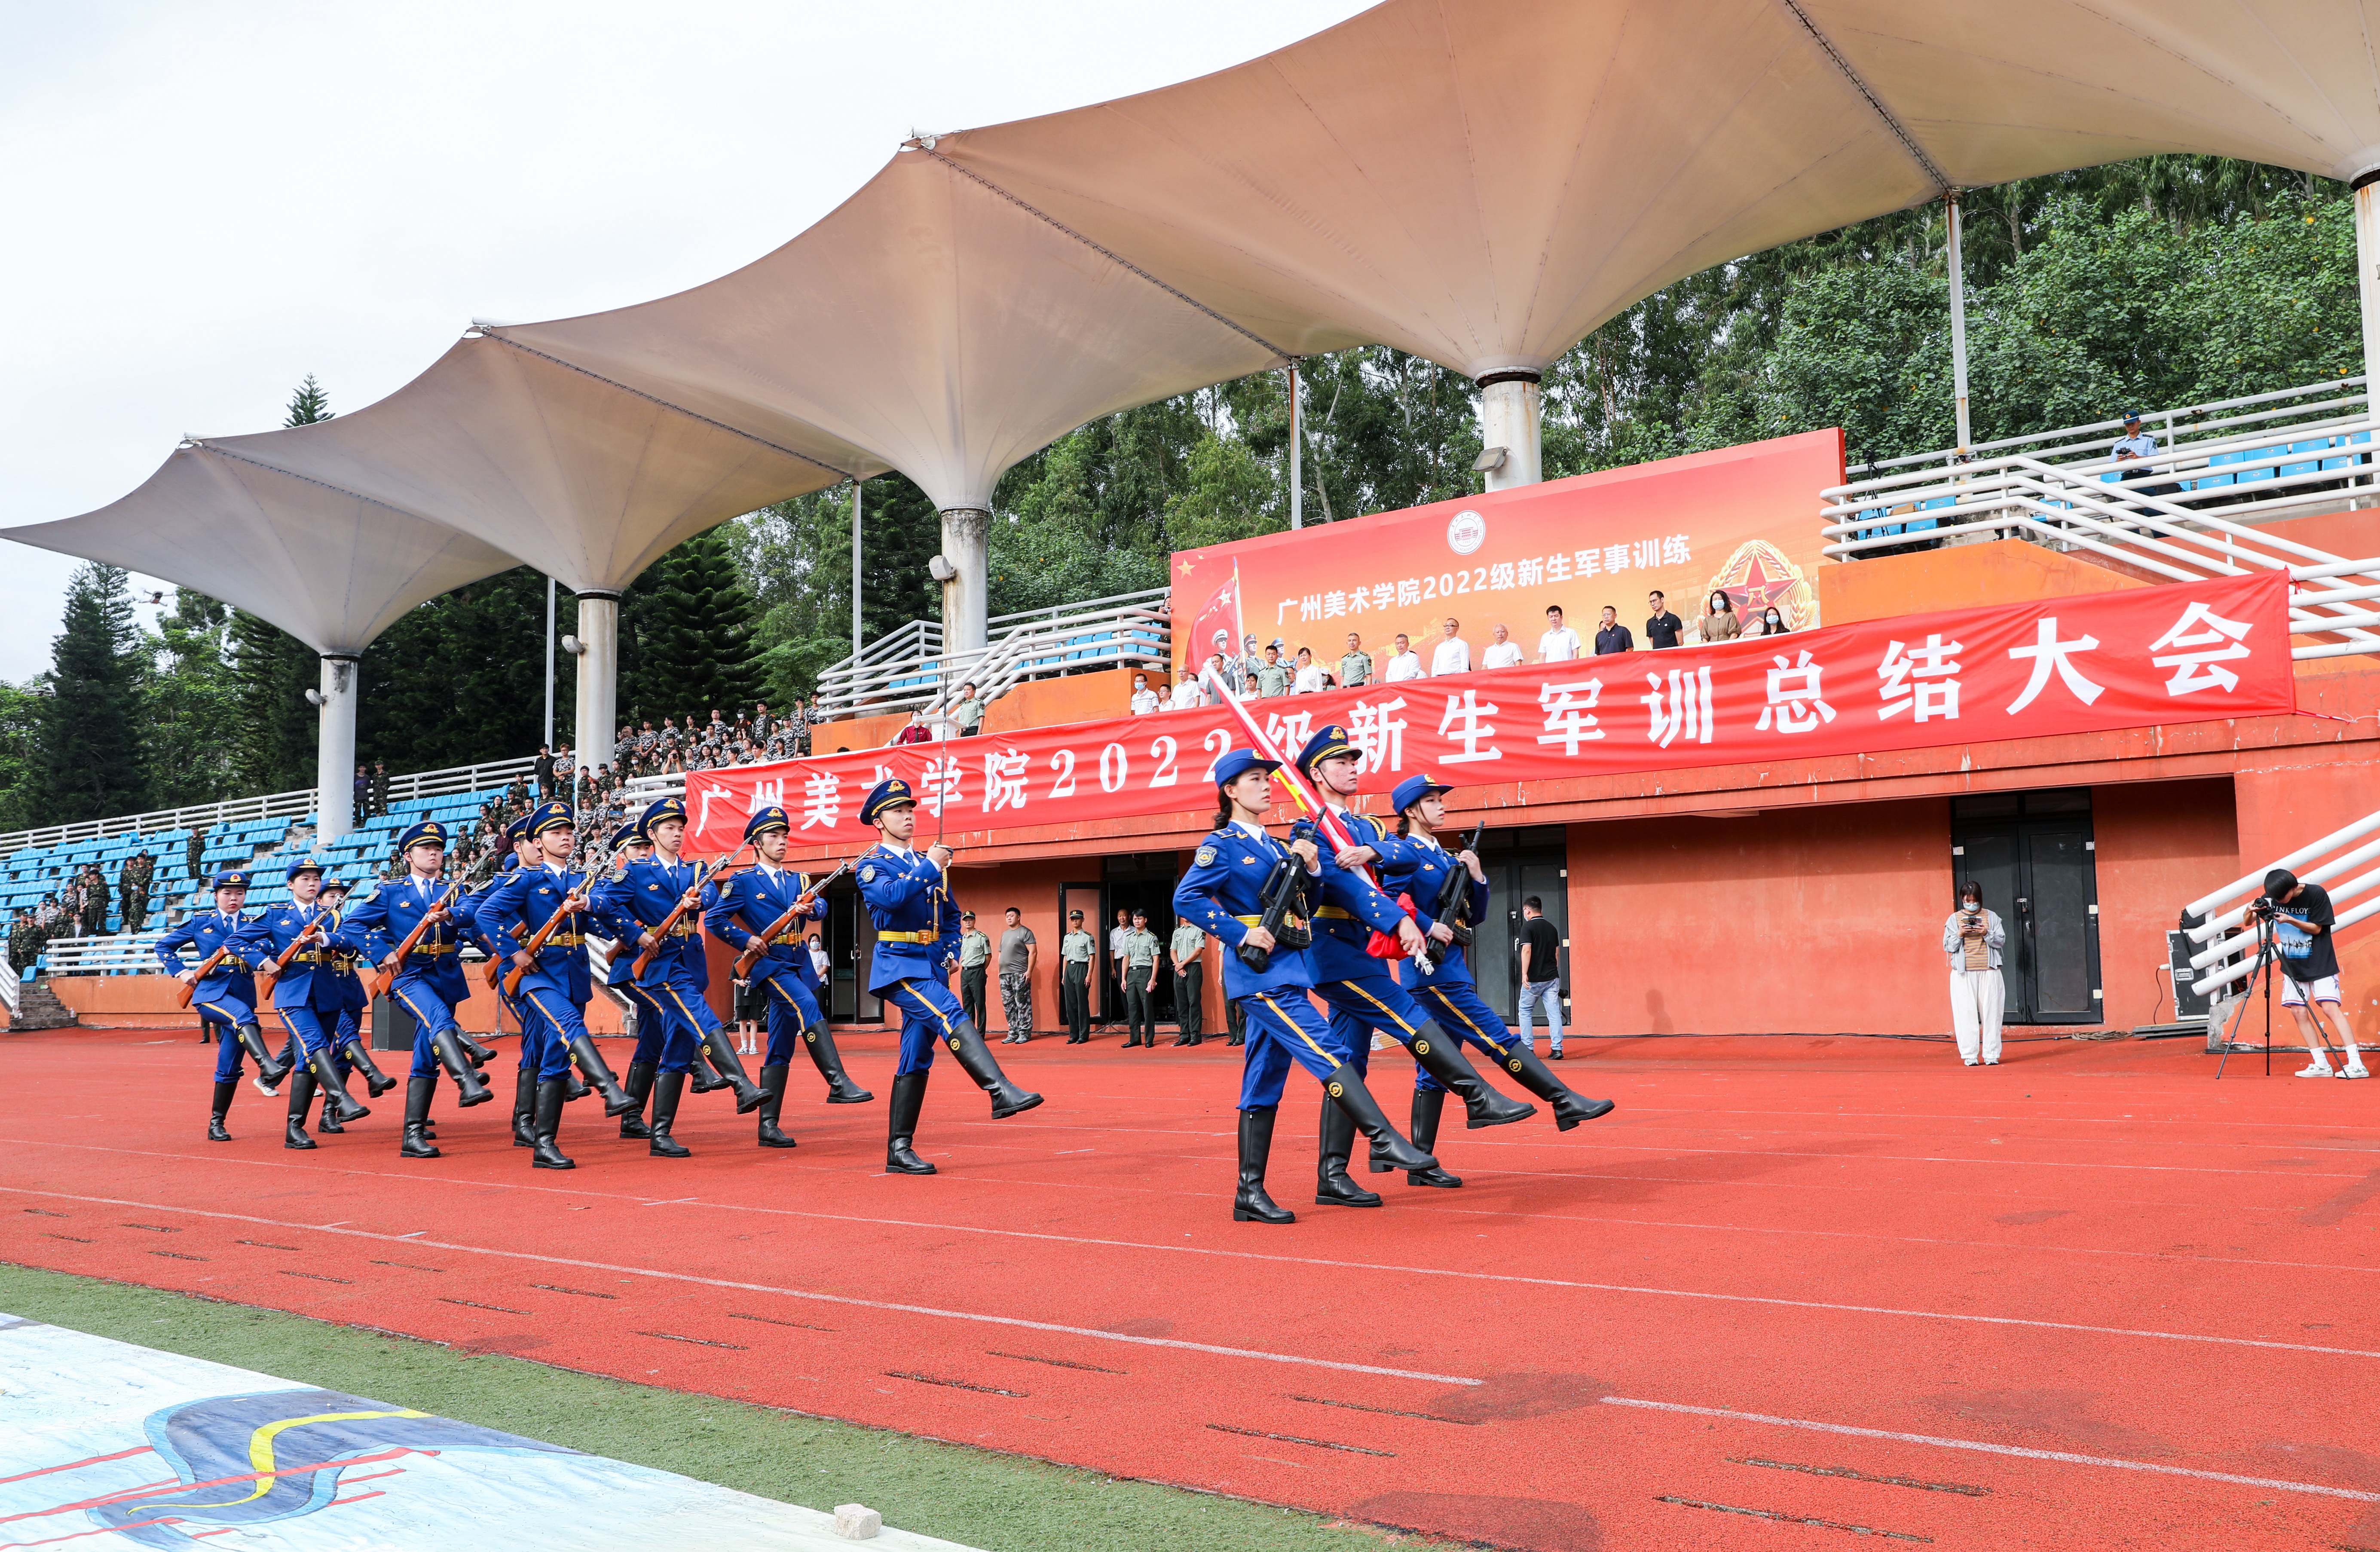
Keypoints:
pixel 1559 644
pixel 1405 663
pixel 1452 654
pixel 1309 678
pixel 1502 652
pixel 1144 700
pixel 1187 693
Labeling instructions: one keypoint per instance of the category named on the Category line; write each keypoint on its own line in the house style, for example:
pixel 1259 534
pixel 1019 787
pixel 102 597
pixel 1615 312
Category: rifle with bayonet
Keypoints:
pixel 1284 912
pixel 272 973
pixel 385 978
pixel 766 938
pixel 513 980
pixel 660 935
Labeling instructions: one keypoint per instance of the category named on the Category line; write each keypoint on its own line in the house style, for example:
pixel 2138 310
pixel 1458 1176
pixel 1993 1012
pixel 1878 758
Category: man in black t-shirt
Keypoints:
pixel 2308 967
pixel 1540 971
pixel 1612 635
pixel 1664 629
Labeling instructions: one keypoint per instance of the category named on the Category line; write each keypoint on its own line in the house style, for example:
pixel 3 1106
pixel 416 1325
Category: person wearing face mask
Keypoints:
pixel 1773 622
pixel 1972 938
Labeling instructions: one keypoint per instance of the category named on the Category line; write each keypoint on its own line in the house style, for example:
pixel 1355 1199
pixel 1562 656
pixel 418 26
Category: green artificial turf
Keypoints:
pixel 973 1497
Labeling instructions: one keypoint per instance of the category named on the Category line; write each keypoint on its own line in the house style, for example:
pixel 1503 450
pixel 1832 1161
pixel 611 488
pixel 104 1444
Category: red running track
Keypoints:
pixel 1791 1289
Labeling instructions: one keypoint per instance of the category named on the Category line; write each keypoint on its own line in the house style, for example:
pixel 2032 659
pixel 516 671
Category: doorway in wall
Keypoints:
pixel 2034 856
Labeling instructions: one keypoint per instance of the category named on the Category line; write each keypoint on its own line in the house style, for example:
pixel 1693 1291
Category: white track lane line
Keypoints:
pixel 1243 1255
pixel 1810 1425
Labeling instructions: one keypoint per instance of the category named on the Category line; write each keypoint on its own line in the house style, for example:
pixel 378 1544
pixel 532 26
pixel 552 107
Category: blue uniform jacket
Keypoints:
pixel 640 900
pixel 1351 909
pixel 202 935
pixel 748 904
pixel 1417 867
pixel 384 921
pixel 1226 883
pixel 917 932
pixel 518 909
pixel 307 980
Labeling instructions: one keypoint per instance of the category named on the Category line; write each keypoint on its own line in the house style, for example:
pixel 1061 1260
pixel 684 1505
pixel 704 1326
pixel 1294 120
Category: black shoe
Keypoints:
pixel 1333 1188
pixel 1250 1205
pixel 301 1100
pixel 550 1100
pixel 599 1076
pixel 468 1086
pixel 376 1083
pixel 772 1085
pixel 223 1096
pixel 1182 1039
pixel 334 1089
pixel 909 1098
pixel 975 1061
pixel 1346 1086
pixel 1557 1054
pixel 667 1088
pixel 840 1090
pixel 1440 1055
pixel 638 1088
pixel 270 1070
pixel 416 1144
pixel 1570 1109
pixel 1429 1104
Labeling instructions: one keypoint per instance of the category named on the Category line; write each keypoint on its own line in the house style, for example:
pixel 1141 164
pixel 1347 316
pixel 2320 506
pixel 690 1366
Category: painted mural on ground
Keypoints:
pixel 105 1444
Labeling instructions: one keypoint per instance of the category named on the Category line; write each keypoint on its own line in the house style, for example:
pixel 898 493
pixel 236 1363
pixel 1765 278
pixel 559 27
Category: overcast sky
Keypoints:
pixel 206 201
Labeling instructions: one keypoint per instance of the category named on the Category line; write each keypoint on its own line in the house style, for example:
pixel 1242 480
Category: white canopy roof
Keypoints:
pixel 331 567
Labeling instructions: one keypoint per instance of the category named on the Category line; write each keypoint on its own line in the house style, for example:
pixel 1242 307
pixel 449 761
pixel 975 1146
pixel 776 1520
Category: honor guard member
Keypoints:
pixel 224 997
pixel 630 845
pixel 645 895
pixel 1364 997
pixel 344 968
pixel 466 924
pixel 1413 864
pixel 301 936
pixel 553 985
pixel 1224 893
pixel 428 979
pixel 750 904
pixel 916 927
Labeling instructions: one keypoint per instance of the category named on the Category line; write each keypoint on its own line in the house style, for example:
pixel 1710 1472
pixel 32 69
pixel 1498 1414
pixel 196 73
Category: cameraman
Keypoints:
pixel 1972 938
pixel 2308 958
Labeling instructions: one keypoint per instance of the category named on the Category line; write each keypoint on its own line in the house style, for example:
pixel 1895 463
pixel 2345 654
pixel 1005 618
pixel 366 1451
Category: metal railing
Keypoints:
pixel 120 953
pixel 299 805
pixel 10 998
pixel 908 671
pixel 2226 933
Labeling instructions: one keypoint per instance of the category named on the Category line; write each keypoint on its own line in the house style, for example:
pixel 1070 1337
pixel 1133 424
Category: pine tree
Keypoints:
pixel 689 636
pixel 273 729
pixel 186 703
pixel 461 678
pixel 90 730
pixel 309 405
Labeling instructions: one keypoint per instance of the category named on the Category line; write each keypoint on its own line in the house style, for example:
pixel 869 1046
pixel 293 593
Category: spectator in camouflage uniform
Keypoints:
pixel 379 791
pixel 132 883
pixel 196 849
pixel 94 900
pixel 23 947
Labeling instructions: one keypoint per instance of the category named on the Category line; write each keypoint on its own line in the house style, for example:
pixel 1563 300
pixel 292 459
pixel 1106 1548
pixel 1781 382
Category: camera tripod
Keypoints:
pixel 2262 973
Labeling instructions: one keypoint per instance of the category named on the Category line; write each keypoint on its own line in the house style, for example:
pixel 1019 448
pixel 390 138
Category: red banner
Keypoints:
pixel 2185 652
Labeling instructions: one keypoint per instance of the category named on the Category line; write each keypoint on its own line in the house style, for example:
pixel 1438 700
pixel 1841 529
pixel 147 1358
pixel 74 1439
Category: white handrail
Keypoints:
pixel 2194 414
pixel 2229 936
pixel 908 669
pixel 10 998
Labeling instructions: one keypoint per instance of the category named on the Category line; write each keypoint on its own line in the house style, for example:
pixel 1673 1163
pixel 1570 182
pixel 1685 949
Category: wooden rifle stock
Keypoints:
pixel 645 955
pixel 764 941
pixel 512 978
pixel 206 968
pixel 272 973
pixel 383 979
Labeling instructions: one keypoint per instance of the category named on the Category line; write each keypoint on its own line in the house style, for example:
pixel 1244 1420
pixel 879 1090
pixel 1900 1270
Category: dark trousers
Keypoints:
pixel 971 979
pixel 1235 1021
pixel 1075 998
pixel 1186 986
pixel 1139 1007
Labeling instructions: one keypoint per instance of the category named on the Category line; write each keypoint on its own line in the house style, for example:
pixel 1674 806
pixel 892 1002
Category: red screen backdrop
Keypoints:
pixel 2190 651
pixel 1742 518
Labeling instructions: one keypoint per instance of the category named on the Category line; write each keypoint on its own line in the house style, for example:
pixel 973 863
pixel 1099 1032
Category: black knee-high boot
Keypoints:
pixel 1569 1107
pixel 327 1078
pixel 700 1078
pixel 328 1121
pixel 1429 1105
pixel 598 1075
pixel 1332 1185
pixel 524 1108
pixel 772 1084
pixel 480 1055
pixel 638 1088
pixel 909 1098
pixel 1345 1085
pixel 468 1086
pixel 376 1083
pixel 1250 1204
pixel 667 1089
pixel 415 1143
pixel 224 1091
pixel 840 1090
pixel 548 1155
pixel 722 1051
pixel 270 1070
pixel 976 1062
pixel 1440 1055
pixel 301 1100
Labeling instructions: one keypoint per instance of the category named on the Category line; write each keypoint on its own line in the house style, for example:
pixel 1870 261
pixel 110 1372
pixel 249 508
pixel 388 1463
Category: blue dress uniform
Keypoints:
pixel 428 985
pixel 645 895
pixel 1223 893
pixel 1364 997
pixel 348 1034
pixel 1413 865
pixel 306 999
pixel 748 904
pixel 226 1000
pixel 652 1024
pixel 916 941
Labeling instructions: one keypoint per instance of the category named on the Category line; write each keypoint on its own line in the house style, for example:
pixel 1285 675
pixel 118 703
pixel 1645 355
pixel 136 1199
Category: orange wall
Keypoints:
pixel 1075 697
pixel 1959 576
pixel 2288 800
pixel 2161 844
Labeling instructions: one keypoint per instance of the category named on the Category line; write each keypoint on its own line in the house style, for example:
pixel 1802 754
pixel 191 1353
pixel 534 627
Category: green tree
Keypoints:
pixel 90 755
pixel 308 404
pixel 186 703
pixel 795 559
pixel 271 730
pixel 24 789
pixel 689 633
pixel 461 678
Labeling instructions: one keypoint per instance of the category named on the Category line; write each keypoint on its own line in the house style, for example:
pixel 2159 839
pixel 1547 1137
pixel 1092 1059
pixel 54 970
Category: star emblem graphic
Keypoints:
pixel 1759 589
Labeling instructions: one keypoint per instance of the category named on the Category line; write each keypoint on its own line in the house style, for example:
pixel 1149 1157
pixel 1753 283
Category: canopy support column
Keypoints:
pixel 598 674
pixel 857 644
pixel 1510 407
pixel 2367 289
pixel 1296 448
pixel 966 592
pixel 335 754
pixel 1959 322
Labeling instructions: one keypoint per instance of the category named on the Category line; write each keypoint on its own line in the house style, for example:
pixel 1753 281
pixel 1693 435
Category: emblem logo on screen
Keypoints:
pixel 1467 532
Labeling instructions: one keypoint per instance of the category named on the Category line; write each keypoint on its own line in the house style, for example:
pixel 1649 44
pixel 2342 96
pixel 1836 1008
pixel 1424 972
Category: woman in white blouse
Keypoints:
pixel 1971 940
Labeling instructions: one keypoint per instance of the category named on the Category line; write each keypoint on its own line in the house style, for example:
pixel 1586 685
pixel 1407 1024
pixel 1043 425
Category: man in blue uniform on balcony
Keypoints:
pixel 917 942
pixel 224 997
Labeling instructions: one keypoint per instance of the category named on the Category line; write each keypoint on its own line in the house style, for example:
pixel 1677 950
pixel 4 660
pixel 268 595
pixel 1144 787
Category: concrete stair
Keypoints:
pixel 38 1007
